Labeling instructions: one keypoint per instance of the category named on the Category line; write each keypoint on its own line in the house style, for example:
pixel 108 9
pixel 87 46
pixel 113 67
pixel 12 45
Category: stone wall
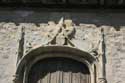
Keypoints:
pixel 9 43
pixel 115 51
pixel 11 36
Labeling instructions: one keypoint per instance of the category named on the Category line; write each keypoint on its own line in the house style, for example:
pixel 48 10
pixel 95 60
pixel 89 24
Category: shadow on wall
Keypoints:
pixel 98 17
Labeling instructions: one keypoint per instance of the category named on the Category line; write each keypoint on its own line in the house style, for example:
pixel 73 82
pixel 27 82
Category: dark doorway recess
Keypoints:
pixel 59 70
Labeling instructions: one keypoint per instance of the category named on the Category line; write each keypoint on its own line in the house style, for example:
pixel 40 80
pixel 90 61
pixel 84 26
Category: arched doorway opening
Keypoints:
pixel 59 70
pixel 32 65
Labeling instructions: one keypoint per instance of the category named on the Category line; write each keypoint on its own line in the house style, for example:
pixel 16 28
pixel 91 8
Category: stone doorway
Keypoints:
pixel 59 70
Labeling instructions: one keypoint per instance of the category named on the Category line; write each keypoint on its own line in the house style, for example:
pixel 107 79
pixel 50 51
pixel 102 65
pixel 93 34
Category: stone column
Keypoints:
pixel 101 55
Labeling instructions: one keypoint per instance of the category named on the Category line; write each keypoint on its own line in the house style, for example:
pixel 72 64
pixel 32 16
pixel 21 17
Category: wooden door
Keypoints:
pixel 59 70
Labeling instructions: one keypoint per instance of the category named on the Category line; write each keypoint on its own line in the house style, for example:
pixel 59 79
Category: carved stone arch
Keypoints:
pixel 35 55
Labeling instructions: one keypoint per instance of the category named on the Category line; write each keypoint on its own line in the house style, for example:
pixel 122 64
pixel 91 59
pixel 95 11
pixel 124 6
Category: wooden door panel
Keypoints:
pixel 59 71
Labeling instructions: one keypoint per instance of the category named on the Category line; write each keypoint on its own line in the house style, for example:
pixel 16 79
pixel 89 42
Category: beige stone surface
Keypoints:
pixel 9 38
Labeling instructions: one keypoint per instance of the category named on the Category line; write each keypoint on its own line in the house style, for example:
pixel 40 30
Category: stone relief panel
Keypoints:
pixel 65 32
pixel 87 37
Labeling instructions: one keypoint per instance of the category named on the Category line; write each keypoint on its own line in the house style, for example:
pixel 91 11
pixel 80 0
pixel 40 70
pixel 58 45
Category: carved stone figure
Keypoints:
pixel 56 32
pixel 49 32
pixel 49 29
pixel 59 34
pixel 68 29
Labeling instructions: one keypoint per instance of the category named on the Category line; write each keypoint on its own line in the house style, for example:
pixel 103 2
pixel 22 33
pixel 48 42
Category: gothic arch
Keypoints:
pixel 40 53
